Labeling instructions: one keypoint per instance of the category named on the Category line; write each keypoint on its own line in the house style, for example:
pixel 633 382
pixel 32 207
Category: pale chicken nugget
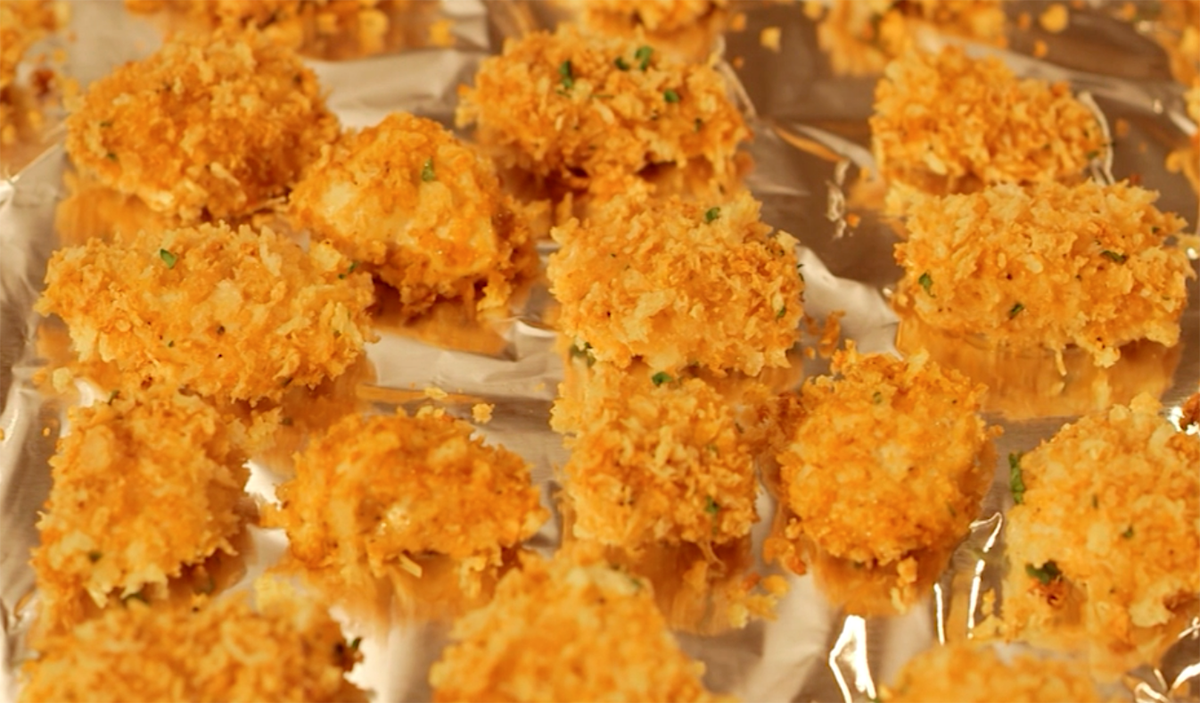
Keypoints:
pixel 210 126
pixel 654 16
pixel 889 458
pixel 378 495
pixel 593 112
pixel 422 211
pixel 289 650
pixel 237 315
pixel 559 631
pixel 947 123
pixel 141 488
pixel 678 283
pixel 971 673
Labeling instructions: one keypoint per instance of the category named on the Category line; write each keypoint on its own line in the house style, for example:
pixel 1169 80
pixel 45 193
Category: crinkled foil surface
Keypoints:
pixel 812 651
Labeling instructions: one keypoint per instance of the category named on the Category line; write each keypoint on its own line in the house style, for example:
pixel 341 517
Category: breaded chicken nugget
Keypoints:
pixel 380 496
pixel 1047 267
pixel 966 673
pixel 557 631
pixel 654 16
pixel 238 315
pixel 211 126
pixel 422 211
pixel 1104 539
pixel 290 650
pixel 594 112
pixel 142 487
pixel 947 123
pixel 22 24
pixel 678 283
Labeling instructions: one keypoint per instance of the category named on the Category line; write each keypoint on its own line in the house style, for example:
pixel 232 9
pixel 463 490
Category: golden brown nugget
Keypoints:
pixel 376 498
pixel 676 283
pixel 1047 267
pixel 557 631
pixel 653 16
pixel 211 126
pixel 142 487
pixel 966 673
pixel 422 211
pixel 22 24
pixel 947 123
pixel 1104 539
pixel 289 650
pixel 235 315
pixel 594 113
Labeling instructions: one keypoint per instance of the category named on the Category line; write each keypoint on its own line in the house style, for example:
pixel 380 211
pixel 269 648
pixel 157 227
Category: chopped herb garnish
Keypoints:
pixel 621 64
pixel 207 587
pixel 568 78
pixel 354 643
pixel 113 396
pixel 711 214
pixel 661 377
pixel 953 512
pixel 643 54
pixel 926 282
pixel 106 123
pixel 781 312
pixel 427 173
pixel 1014 310
pixel 1045 574
pixel 670 96
pixel 711 507
pixel 94 556
pixel 168 258
pixel 1095 501
pixel 220 329
pixel 1016 480
pixel 353 264
pixel 287 422
pixel 135 596
pixel 799 272
pixel 585 351
pixel 170 344
pixel 1119 258
pixel 637 584
pixel 698 123
pixel 877 397
pixel 1128 533
pixel 1093 154
pixel 1153 230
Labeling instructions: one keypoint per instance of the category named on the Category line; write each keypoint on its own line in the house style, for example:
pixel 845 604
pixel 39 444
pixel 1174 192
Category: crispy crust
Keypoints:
pixel 557 631
pixel 233 315
pixel 442 232
pixel 966 673
pixel 946 123
pixel 653 279
pixel 290 651
pixel 141 488
pixel 1088 265
pixel 209 126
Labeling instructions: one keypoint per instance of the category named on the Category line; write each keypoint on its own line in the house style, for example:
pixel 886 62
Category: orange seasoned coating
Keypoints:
pixel 1104 539
pixel 970 673
pixel 1046 267
pixel 948 123
pixel 558 631
pixel 238 315
pixel 141 488
pixel 210 126
pixel 678 283
pixel 654 459
pixel 594 112
pixel 888 458
pixel 290 650
pixel 375 494
pixel 654 16
pixel 420 209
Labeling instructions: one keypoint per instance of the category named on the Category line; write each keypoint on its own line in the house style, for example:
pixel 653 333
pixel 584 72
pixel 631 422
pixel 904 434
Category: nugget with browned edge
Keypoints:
pixel 973 673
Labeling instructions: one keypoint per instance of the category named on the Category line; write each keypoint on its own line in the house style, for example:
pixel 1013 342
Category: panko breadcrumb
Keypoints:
pixel 289 651
pixel 375 497
pixel 422 211
pixel 969 673
pixel 888 459
pixel 594 113
pixel 557 631
pixel 1046 267
pixel 654 459
pixel 211 126
pixel 1104 539
pixel 142 487
pixel 948 123
pixel 678 283
pixel 238 315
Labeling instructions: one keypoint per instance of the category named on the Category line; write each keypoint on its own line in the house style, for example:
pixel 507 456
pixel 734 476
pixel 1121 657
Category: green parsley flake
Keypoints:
pixel 670 96
pixel 1114 256
pixel 621 64
pixel 661 377
pixel 168 258
pixel 585 352
pixel 135 596
pixel 643 54
pixel 711 507
pixel 111 156
pixel 354 264
pixel 94 556
pixel 1045 574
pixel 427 173
pixel 926 282
pixel 355 643
pixel 781 312
pixel 1015 310
pixel 1128 533
pixel 711 214
pixel 1016 480
pixel 568 77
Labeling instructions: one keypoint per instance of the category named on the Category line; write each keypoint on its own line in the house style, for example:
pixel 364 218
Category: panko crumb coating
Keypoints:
pixel 237 315
pixel 654 459
pixel 558 631
pixel 656 16
pixel 1047 267
pixel 947 123
pixel 889 458
pixel 966 673
pixel 291 650
pixel 594 112
pixel 420 209
pixel 1104 539
pixel 678 283
pixel 210 126
pixel 375 496
pixel 141 488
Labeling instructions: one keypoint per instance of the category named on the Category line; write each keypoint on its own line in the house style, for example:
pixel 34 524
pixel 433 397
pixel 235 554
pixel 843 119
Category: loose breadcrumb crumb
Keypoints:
pixel 1055 18
pixel 557 631
pixel 769 38
pixel 240 315
pixel 971 673
pixel 1047 267
pixel 435 393
pixel 1040 49
pixel 678 283
pixel 482 412
pixel 209 126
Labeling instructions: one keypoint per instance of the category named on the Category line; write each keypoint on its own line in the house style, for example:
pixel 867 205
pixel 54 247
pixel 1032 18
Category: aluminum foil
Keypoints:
pixel 810 149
